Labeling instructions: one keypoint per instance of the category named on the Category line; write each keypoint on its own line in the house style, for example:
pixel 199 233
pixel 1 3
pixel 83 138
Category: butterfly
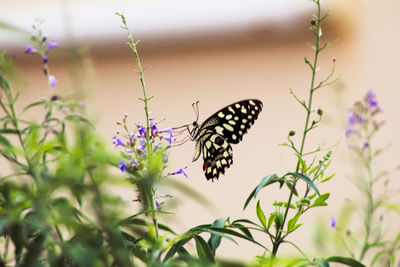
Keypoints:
pixel 216 134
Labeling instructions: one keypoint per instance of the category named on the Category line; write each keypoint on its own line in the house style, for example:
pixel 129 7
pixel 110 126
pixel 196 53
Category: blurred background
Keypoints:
pixel 219 52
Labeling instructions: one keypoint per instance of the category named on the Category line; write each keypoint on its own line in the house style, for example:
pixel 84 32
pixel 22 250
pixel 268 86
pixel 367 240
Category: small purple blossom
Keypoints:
pixel 142 131
pixel 333 222
pixel 180 171
pixel 366 145
pixel 355 118
pixel 44 38
pixel 118 142
pixel 371 99
pixel 153 126
pixel 132 136
pixel 349 131
pixel 45 59
pixel 133 163
pixel 52 44
pixel 142 144
pixel 169 138
pixel 158 205
pixel 53 81
pixel 29 49
pixel 122 165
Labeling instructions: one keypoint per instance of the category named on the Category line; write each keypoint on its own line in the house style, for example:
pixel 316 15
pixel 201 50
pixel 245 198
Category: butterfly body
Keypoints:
pixel 216 134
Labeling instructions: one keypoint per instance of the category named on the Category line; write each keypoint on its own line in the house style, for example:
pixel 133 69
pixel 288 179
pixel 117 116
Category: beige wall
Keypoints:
pixel 367 57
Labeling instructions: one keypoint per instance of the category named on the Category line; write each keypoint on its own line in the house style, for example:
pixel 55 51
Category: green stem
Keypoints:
pixel 278 237
pixel 133 45
pixel 370 200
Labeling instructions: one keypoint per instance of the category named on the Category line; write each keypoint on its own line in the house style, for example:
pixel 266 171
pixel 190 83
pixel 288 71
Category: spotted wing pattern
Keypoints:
pixel 214 136
pixel 217 154
pixel 233 121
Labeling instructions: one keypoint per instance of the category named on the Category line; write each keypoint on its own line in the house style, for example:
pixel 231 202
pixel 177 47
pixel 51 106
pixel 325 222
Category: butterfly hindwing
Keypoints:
pixel 217 154
pixel 233 121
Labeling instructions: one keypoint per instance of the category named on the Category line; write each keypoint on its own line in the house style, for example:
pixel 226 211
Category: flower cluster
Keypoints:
pixel 42 46
pixel 136 149
pixel 362 124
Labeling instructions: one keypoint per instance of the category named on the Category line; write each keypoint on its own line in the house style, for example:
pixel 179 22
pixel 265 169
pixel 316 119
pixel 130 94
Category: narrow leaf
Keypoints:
pixel 78 117
pixel 292 222
pixel 267 180
pixel 41 102
pixel 261 215
pixel 305 179
pixel 203 250
pixel 346 261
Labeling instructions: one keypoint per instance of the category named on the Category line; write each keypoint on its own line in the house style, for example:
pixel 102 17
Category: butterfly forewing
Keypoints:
pixel 214 135
pixel 233 121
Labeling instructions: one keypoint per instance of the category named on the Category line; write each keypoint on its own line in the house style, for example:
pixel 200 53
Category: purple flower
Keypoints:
pixel 44 38
pixel 29 49
pixel 169 138
pixel 45 59
pixel 158 205
pixel 349 131
pixel 142 131
pixel 132 136
pixel 180 171
pixel 366 145
pixel 122 165
pixel 333 222
pixel 51 44
pixel 355 118
pixel 118 142
pixel 153 126
pixel 133 163
pixel 53 81
pixel 371 99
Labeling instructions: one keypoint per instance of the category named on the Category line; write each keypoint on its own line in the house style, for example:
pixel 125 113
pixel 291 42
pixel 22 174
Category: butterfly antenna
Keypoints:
pixel 196 109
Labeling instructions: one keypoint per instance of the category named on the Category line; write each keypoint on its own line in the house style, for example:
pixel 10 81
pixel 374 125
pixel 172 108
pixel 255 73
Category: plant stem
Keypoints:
pixel 133 45
pixel 278 236
pixel 370 200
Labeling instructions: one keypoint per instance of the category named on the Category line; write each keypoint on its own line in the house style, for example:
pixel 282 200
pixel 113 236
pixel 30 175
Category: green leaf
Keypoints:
pixel 176 248
pixel 215 240
pixel 304 178
pixel 322 262
pixel 6 143
pixel 283 204
pixel 8 131
pixel 261 215
pixel 243 228
pixel 203 250
pixel 328 178
pixel 271 219
pixel 78 117
pixel 291 226
pixel 289 184
pixel 233 233
pixel 41 102
pixel 267 180
pixel 320 201
pixel 303 164
pixel 346 261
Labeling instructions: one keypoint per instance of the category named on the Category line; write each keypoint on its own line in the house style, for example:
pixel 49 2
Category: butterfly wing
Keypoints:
pixel 233 121
pixel 214 136
pixel 217 154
